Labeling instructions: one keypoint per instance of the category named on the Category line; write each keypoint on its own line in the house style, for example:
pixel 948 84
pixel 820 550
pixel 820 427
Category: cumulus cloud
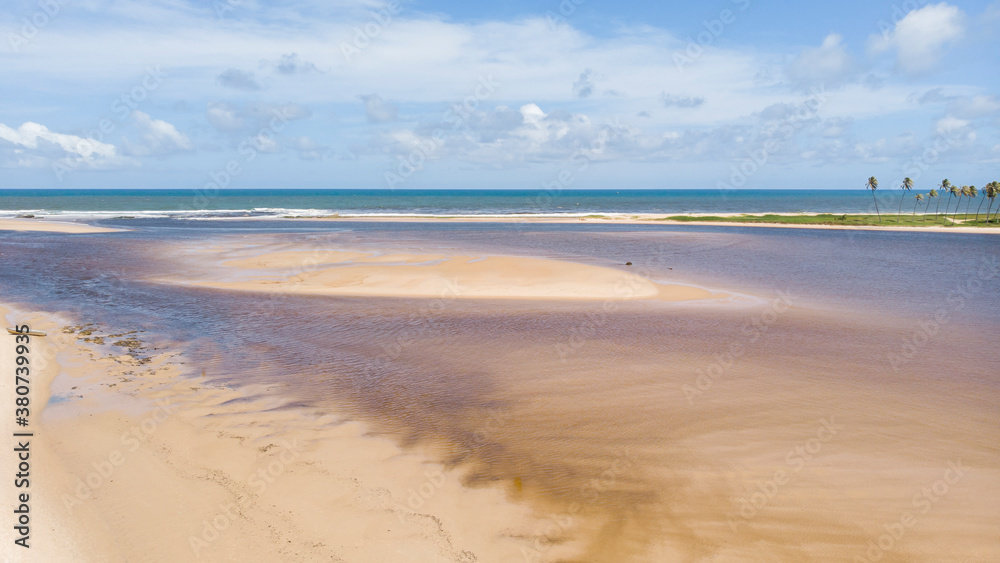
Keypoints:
pixel 224 117
pixel 672 101
pixel 378 110
pixel 238 80
pixel 159 137
pixel 516 137
pixel 584 86
pixel 33 144
pixel 828 65
pixel 922 37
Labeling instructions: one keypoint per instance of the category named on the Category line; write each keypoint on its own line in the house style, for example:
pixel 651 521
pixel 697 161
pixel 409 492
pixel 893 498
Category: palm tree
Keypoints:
pixel 992 190
pixel 907 185
pixel 982 199
pixel 873 185
pixel 973 192
pixel 954 191
pixel 945 188
pixel 931 195
pixel 920 197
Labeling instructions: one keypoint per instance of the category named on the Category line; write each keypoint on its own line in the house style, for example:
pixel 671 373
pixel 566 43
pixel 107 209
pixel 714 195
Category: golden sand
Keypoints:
pixel 138 463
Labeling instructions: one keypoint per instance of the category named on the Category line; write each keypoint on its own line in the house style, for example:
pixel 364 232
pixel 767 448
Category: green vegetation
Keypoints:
pixel 827 219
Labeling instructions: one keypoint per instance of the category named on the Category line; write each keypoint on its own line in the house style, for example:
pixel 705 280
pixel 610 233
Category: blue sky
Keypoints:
pixel 437 94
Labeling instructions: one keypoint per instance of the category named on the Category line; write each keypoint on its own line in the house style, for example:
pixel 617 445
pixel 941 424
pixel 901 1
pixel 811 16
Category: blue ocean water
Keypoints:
pixel 101 203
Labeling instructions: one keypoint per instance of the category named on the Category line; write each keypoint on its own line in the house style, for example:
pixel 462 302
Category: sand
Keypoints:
pixel 134 461
pixel 435 276
pixel 45 226
pixel 645 219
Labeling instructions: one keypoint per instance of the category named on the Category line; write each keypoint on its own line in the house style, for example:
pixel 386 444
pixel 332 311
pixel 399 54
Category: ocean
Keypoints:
pixel 273 203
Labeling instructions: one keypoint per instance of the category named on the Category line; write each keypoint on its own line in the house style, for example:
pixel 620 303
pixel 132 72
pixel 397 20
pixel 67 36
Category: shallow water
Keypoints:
pixel 637 426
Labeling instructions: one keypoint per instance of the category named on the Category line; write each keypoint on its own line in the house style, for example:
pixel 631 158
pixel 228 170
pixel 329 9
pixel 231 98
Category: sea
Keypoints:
pixel 277 203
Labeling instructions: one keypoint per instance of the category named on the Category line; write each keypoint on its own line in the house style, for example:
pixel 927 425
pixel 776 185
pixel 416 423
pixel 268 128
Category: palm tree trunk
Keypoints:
pixel 937 208
pixel 876 207
pixel 900 211
pixel 947 204
pixel 958 204
pixel 980 206
pixel 967 204
pixel 915 206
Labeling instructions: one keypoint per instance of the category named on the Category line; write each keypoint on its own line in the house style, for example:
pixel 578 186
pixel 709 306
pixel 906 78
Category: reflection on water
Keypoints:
pixel 654 432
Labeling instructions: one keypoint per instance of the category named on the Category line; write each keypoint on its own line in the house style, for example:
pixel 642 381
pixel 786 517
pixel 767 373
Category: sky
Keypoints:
pixel 718 94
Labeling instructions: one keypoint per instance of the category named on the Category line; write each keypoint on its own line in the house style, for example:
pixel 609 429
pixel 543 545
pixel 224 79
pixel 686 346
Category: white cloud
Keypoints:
pixel 35 145
pixel 948 124
pixel 160 137
pixel 829 64
pixel 922 37
pixel 224 117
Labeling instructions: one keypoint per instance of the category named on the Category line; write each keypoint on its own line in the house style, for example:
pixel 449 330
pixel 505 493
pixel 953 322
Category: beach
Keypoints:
pixel 135 452
pixel 406 391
